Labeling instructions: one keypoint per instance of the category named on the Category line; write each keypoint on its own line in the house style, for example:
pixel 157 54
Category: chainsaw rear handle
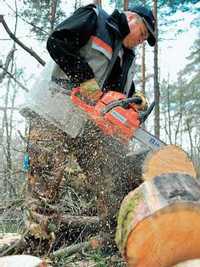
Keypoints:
pixel 125 102
pixel 122 103
pixel 145 114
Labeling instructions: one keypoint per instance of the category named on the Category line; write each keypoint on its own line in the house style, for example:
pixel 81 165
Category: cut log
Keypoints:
pixel 168 159
pixel 158 223
pixel 22 261
pixel 10 242
pixel 191 263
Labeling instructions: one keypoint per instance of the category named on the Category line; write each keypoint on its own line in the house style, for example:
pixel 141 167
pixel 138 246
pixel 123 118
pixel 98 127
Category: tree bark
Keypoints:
pixel 67 251
pixel 53 13
pixel 156 82
pixel 126 5
pixel 143 70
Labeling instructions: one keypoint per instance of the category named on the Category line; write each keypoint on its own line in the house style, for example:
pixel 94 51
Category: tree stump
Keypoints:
pixel 158 223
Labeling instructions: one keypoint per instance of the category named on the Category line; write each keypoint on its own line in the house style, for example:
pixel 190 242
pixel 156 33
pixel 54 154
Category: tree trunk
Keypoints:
pixel 125 5
pixel 156 83
pixel 98 2
pixel 52 15
pixel 143 70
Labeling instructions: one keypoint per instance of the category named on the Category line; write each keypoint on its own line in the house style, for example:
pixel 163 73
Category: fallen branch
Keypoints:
pixel 93 243
pixel 79 220
pixel 73 221
pixel 12 36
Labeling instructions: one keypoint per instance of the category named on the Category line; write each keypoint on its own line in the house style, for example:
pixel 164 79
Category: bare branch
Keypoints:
pixel 12 36
pixel 3 108
pixel 11 76
pixel 30 23
pixel 67 251
pixel 7 63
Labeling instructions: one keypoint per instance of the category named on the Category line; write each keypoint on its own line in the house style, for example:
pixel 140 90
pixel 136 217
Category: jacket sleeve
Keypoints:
pixel 66 40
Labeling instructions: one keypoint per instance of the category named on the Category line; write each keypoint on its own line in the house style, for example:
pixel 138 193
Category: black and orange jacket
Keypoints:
pixel 92 25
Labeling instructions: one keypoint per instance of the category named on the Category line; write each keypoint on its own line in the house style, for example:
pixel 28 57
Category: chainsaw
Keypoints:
pixel 117 116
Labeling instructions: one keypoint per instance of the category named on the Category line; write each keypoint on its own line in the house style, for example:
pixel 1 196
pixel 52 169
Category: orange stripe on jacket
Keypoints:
pixel 102 44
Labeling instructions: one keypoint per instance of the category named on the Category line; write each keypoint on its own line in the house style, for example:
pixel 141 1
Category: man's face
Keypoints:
pixel 138 33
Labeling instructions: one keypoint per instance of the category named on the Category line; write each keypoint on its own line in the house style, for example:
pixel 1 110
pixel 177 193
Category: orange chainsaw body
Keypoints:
pixel 118 122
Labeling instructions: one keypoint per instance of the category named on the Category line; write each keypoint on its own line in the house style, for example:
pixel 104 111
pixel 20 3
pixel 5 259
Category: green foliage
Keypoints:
pixel 119 4
pixel 181 101
pixel 178 5
pixel 11 226
pixel 99 259
pixel 38 14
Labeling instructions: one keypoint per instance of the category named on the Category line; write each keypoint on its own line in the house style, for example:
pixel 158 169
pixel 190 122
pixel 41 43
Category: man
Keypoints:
pixel 95 50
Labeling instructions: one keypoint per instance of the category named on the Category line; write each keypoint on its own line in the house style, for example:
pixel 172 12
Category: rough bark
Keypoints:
pixel 156 81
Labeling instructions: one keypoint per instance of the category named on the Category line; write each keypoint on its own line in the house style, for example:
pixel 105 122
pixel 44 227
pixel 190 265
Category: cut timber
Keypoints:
pixel 8 239
pixel 158 223
pixel 191 263
pixel 9 242
pixel 22 261
pixel 168 159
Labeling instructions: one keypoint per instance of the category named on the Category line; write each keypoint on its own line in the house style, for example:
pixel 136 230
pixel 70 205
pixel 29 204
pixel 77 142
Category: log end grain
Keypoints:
pixel 168 159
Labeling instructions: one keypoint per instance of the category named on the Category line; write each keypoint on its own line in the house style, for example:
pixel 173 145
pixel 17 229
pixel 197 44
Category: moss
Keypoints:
pixel 125 218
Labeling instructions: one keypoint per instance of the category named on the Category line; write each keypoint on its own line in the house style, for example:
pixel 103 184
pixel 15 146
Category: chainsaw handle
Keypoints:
pixel 122 103
pixel 145 114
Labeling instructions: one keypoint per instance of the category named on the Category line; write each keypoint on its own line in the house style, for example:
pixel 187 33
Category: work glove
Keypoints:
pixel 145 103
pixel 90 91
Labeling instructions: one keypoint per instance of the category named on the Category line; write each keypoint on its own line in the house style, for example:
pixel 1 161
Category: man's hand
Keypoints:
pixel 90 90
pixel 145 103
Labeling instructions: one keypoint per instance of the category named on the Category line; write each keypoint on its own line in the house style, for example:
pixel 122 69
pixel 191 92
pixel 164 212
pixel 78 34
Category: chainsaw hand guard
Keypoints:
pixel 124 103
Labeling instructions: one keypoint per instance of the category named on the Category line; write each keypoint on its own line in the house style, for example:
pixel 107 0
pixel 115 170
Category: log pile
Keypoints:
pixel 158 223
